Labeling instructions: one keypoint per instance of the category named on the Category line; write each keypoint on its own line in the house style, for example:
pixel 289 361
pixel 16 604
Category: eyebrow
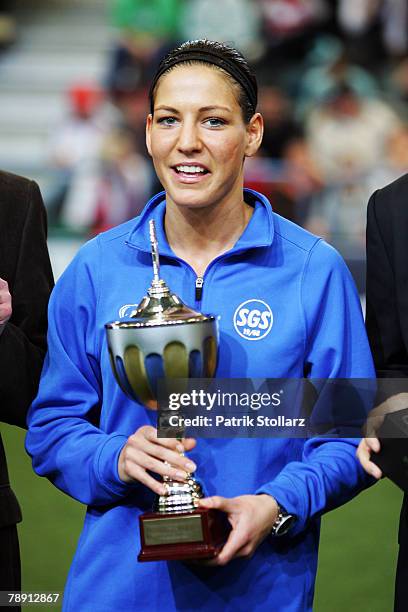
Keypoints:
pixel 201 110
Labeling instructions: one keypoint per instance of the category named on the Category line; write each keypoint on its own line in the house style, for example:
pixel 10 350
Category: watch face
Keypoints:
pixel 287 522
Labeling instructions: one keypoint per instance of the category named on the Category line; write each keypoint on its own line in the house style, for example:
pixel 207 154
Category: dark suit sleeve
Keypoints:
pixel 383 304
pixel 23 341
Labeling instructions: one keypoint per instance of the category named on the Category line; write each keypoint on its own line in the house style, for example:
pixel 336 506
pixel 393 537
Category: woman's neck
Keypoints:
pixel 199 235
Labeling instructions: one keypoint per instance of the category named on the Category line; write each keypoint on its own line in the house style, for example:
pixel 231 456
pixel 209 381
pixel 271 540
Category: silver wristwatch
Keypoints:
pixel 283 523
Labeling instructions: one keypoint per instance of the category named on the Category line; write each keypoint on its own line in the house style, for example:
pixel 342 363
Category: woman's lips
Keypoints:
pixel 189 177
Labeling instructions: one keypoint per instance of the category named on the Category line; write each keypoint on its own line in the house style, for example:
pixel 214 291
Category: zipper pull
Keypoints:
pixel 199 288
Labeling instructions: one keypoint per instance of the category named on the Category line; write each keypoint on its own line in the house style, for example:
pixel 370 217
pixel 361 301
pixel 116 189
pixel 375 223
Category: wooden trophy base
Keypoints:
pixel 199 534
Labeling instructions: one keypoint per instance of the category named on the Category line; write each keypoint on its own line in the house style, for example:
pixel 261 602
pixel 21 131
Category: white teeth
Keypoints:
pixel 190 169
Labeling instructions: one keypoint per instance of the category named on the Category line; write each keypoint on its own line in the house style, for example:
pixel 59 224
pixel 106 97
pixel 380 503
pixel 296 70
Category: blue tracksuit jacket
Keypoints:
pixel 80 420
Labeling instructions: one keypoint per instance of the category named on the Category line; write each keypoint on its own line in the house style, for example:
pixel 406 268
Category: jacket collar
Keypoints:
pixel 258 233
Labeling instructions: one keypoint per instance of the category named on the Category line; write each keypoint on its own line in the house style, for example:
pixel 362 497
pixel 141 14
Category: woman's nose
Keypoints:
pixel 189 140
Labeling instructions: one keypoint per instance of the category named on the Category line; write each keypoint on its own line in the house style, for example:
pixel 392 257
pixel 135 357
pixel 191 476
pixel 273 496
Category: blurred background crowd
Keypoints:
pixel 333 78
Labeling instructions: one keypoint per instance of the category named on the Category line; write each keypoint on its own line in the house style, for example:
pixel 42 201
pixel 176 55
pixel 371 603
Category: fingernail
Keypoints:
pixel 180 448
pixel 182 475
pixel 190 466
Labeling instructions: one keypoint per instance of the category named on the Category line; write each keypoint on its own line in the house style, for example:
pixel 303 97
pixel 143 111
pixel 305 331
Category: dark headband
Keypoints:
pixel 210 57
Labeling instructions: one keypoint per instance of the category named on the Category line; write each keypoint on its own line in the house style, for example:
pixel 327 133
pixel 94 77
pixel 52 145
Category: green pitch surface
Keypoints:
pixel 357 552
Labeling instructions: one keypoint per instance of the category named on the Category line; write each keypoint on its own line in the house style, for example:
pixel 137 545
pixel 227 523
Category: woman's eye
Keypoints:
pixel 215 122
pixel 167 121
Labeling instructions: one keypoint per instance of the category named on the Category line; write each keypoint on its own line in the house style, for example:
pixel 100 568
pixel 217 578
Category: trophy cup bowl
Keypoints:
pixel 163 339
pixel 144 351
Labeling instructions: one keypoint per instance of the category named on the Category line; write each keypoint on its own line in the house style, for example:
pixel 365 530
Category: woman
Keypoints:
pixel 223 250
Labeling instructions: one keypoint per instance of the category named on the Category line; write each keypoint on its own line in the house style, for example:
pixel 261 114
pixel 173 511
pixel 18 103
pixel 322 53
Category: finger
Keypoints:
pixel 237 540
pixel 146 439
pixel 138 457
pixel 247 550
pixel 238 537
pixel 3 284
pixel 372 426
pixel 138 474
pixel 216 503
pixel 175 459
pixel 373 444
pixel 371 468
pixel 150 434
pixel 188 444
pixel 181 445
pixel 374 470
pixel 364 455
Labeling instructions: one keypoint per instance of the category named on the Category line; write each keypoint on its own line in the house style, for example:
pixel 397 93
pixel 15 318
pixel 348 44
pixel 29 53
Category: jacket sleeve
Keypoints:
pixel 23 341
pixel 327 473
pixel 383 321
pixel 64 438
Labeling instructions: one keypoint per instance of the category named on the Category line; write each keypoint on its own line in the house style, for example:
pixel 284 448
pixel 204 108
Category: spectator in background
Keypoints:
pixel 281 127
pixel 287 27
pixel 75 146
pixel 146 29
pixel 79 136
pixel 394 163
pixel 124 184
pixel 284 169
pixel 103 179
pixel 347 133
pixel 113 189
pixel 287 18
pixel 232 20
pixel 333 72
pixel 360 19
pixel 25 273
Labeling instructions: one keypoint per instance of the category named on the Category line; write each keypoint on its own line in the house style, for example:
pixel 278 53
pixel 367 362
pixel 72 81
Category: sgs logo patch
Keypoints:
pixel 253 319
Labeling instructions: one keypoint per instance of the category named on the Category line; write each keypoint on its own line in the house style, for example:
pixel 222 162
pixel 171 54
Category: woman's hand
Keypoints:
pixel 144 452
pixel 5 304
pixel 251 518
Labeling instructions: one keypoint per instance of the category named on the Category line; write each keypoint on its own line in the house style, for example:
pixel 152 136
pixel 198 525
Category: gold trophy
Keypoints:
pixel 165 339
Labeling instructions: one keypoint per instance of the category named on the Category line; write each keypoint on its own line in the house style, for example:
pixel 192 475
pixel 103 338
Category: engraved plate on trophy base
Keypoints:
pixel 198 534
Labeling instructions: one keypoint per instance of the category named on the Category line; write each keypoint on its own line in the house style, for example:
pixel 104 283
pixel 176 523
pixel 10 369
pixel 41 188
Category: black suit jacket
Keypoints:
pixel 387 314
pixel 387 278
pixel 25 265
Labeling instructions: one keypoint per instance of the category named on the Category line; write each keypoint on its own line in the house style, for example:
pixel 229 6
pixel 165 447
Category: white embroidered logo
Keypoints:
pixel 253 319
pixel 126 310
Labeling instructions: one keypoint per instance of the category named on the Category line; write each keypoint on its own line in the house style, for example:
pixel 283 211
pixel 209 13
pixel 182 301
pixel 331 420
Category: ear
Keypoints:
pixel 255 130
pixel 149 122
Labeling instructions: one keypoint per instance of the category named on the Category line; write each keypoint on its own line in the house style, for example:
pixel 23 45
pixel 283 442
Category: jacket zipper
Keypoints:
pixel 199 288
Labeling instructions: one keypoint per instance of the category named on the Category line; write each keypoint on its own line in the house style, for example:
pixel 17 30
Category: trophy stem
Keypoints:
pixel 180 496
pixel 155 251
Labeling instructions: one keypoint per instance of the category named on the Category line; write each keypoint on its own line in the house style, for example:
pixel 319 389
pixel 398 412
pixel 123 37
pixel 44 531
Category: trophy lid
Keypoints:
pixel 160 306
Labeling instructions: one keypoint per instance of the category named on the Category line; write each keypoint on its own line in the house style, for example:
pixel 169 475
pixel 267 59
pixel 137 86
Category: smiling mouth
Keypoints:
pixel 190 170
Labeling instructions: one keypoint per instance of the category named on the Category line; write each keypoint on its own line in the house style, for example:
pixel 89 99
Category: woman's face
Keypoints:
pixel 197 137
